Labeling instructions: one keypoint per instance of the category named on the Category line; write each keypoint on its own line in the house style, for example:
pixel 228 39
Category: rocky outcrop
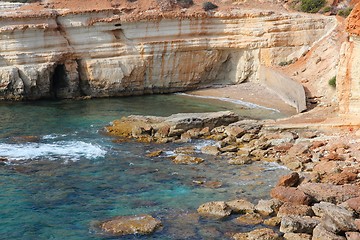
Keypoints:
pixel 348 87
pixel 66 54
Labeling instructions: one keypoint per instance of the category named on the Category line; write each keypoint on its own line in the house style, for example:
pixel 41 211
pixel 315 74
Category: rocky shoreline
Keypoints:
pixel 319 200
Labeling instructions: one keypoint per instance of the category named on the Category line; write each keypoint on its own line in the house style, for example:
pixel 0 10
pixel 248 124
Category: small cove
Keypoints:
pixel 64 174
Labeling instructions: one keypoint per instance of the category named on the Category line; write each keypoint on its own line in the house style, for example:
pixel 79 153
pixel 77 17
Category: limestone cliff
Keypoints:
pixel 102 53
pixel 348 78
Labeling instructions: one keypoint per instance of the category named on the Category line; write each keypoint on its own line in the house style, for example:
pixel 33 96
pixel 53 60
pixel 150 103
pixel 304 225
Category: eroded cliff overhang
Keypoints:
pixel 103 53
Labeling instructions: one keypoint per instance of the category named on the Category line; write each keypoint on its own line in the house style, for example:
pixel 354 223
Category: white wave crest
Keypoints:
pixel 69 150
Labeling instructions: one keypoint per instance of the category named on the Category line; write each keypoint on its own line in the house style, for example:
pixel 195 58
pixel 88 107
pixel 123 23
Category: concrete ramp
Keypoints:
pixel 287 89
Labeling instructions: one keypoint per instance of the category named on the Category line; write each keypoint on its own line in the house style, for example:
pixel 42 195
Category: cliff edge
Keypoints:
pixel 67 49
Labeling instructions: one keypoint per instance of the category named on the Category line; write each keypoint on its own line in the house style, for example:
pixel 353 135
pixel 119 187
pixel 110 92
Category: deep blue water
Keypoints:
pixel 65 175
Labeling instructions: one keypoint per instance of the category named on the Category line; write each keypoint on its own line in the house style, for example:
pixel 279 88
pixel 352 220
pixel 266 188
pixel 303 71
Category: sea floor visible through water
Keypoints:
pixel 64 174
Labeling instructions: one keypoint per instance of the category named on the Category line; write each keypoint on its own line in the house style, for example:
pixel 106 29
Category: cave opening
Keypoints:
pixel 59 80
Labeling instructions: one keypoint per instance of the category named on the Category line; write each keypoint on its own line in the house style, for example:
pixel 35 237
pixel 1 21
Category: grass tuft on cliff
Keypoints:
pixel 311 6
pixel 332 82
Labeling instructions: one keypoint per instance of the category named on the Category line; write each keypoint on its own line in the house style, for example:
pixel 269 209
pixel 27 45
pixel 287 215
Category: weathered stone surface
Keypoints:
pixel 329 192
pixel 235 131
pixel 298 224
pixel 335 218
pixel 185 150
pixel 268 207
pixel 124 225
pixel 354 203
pixel 211 150
pixel 294 209
pixel 185 159
pixel 240 160
pixel 327 167
pixel 229 148
pixel 340 178
pixel 352 235
pixel 258 234
pixel 214 209
pixel 320 233
pixel 297 236
pixel 274 221
pixel 154 153
pixel 290 194
pixel 174 125
pixel 249 219
pixel 290 180
pixel 241 206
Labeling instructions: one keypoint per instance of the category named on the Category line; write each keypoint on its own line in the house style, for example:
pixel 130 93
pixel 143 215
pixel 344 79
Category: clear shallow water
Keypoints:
pixel 64 175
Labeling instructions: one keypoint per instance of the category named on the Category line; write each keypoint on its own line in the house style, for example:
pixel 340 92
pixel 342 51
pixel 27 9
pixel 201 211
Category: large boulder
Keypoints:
pixel 268 207
pixel 335 218
pixel 124 225
pixel 298 224
pixel 295 209
pixel 320 233
pixel 290 180
pixel 329 192
pixel 217 209
pixel 354 203
pixel 290 194
pixel 241 206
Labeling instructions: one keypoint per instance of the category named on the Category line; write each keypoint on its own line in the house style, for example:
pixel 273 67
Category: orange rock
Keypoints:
pixel 290 194
pixel 290 180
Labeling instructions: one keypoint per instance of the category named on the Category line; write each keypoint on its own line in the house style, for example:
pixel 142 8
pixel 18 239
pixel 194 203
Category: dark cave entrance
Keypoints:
pixel 59 80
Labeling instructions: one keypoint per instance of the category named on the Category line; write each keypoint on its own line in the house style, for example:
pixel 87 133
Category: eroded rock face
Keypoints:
pixel 102 53
pixel 124 225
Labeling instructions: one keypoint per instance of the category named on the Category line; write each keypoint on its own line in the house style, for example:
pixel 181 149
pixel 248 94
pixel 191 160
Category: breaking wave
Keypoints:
pixel 69 150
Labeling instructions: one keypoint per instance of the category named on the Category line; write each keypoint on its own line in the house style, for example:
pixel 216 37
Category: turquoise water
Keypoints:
pixel 64 174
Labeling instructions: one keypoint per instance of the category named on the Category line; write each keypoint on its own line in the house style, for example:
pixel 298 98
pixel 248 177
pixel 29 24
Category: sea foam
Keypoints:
pixel 69 150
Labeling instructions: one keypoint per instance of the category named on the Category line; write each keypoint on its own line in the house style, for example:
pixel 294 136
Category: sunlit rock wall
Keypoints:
pixel 98 54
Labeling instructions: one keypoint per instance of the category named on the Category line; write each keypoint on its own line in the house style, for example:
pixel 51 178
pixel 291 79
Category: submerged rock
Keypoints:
pixel 249 219
pixel 185 159
pixel 124 225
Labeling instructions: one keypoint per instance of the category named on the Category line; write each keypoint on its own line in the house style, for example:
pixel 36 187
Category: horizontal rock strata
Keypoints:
pixel 101 53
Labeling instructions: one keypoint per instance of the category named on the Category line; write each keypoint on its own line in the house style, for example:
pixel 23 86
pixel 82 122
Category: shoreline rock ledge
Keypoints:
pixel 125 225
pixel 167 129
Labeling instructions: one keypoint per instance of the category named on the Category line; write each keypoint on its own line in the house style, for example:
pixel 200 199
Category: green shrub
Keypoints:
pixel 326 9
pixel 332 82
pixel 311 6
pixel 345 12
